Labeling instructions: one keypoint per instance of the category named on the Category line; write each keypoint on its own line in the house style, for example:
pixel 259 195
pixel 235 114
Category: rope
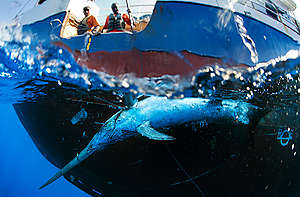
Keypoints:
pixel 131 21
pixel 184 171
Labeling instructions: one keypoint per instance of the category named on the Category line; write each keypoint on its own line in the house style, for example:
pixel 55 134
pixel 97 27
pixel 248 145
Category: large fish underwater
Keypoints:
pixel 153 116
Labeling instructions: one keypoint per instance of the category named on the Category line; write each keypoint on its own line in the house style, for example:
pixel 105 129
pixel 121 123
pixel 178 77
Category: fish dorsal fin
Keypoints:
pixel 146 130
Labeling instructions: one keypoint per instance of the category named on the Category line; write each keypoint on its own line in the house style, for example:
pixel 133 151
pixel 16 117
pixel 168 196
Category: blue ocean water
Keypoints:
pixel 22 166
pixel 28 70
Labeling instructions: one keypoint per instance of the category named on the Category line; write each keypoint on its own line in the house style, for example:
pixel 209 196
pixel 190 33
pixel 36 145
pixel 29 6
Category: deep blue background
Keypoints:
pixel 22 167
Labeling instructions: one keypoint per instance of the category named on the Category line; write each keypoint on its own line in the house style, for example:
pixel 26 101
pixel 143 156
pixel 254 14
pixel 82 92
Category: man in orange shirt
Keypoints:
pixel 115 22
pixel 88 23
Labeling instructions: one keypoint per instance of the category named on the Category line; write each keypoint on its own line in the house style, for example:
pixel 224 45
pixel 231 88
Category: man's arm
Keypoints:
pixel 73 20
pixel 92 22
pixel 106 23
pixel 126 19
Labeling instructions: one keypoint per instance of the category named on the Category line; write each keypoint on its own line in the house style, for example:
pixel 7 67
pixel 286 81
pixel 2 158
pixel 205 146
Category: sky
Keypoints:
pixel 298 9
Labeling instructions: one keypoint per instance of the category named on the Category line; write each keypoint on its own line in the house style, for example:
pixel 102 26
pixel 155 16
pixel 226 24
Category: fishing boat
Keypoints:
pixel 175 37
pixel 169 38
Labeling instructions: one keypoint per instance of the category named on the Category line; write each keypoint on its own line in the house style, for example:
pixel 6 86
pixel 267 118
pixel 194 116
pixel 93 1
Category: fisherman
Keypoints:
pixel 88 24
pixel 115 22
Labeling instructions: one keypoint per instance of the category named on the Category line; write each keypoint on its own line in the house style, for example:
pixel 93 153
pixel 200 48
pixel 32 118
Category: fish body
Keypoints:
pixel 160 112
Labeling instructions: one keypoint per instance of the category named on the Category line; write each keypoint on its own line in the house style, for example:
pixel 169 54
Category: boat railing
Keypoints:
pixel 271 10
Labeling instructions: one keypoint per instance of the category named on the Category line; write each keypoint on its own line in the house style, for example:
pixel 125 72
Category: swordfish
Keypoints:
pixel 149 116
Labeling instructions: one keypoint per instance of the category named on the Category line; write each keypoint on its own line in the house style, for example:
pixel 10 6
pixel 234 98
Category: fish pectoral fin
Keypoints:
pixel 146 130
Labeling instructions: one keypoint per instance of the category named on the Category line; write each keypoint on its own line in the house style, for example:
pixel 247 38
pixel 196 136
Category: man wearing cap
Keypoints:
pixel 115 22
pixel 88 23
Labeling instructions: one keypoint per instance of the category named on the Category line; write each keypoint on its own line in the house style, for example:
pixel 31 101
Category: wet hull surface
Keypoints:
pixel 217 160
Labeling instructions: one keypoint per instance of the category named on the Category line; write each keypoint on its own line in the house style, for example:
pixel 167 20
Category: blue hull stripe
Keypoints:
pixel 196 28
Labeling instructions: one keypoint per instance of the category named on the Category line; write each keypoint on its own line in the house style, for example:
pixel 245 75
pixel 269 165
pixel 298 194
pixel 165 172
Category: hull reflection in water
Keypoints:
pixel 213 159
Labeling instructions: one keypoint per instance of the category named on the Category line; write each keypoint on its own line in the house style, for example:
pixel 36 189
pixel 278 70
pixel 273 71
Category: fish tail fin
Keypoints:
pixel 77 160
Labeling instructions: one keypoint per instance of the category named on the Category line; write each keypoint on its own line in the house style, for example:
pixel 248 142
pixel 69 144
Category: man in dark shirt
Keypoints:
pixel 115 22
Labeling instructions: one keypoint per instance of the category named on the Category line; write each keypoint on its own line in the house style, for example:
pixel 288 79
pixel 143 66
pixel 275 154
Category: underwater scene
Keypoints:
pixel 220 130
